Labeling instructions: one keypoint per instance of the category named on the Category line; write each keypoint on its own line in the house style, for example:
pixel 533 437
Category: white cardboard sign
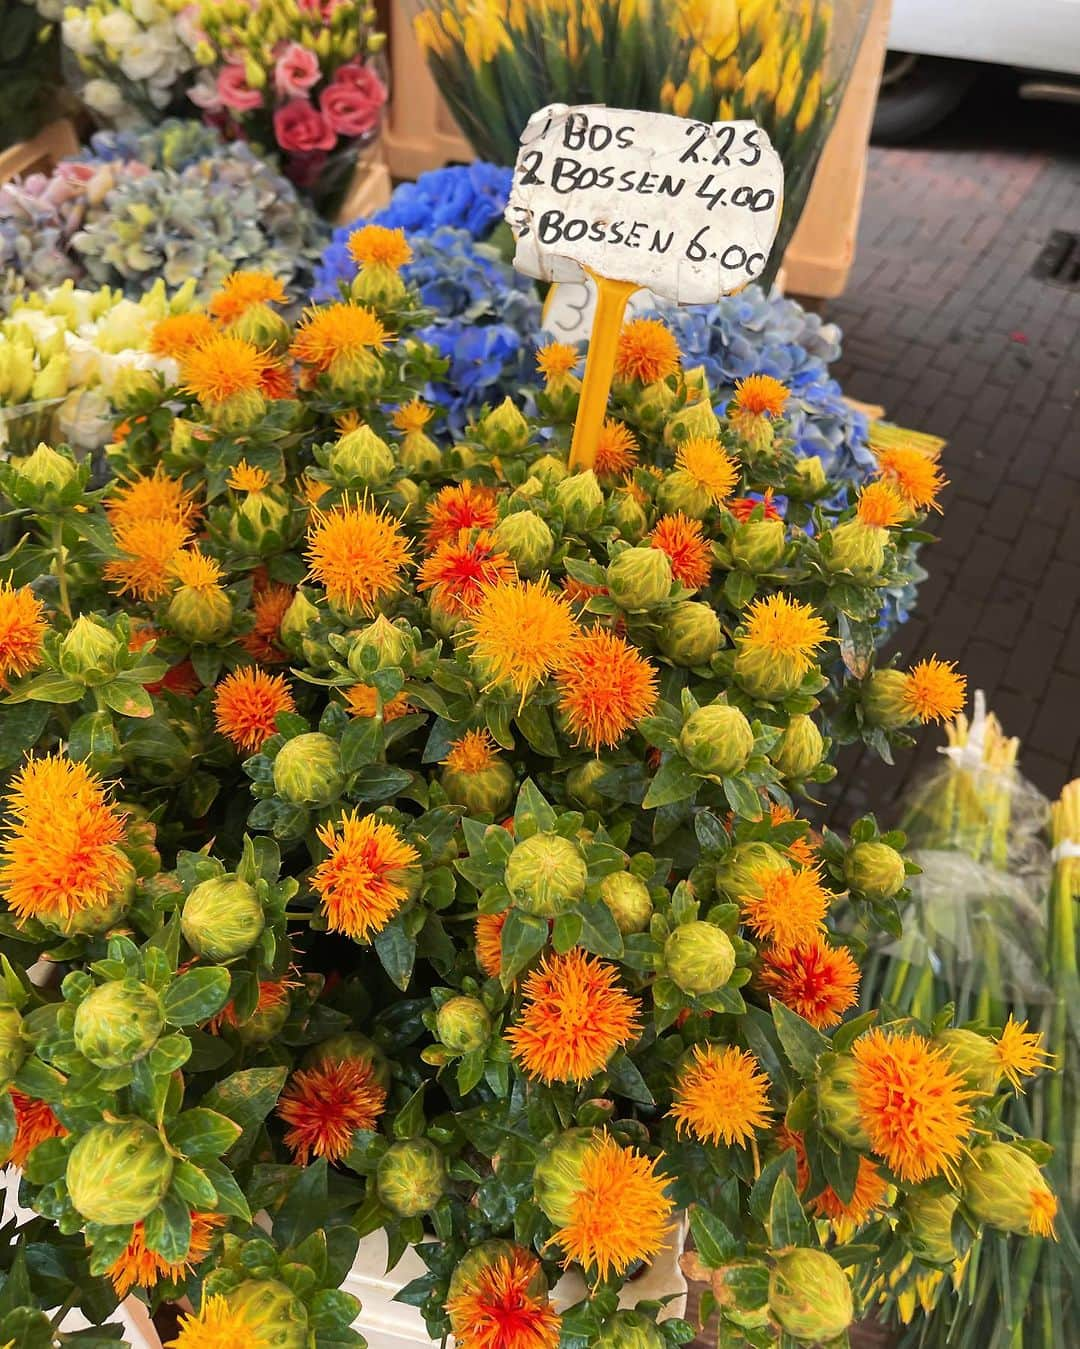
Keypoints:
pixel 689 209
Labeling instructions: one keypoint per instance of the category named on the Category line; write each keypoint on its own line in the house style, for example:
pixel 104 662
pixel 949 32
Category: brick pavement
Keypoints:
pixel 945 325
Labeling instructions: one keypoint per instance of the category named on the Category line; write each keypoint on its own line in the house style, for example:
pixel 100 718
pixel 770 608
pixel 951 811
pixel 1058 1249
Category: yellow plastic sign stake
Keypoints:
pixel 611 298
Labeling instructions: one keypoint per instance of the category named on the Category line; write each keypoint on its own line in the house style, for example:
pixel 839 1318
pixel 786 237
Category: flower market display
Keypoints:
pixel 402 834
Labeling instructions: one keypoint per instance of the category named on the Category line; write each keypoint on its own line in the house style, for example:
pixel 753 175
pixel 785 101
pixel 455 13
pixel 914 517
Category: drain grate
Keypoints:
pixel 1059 262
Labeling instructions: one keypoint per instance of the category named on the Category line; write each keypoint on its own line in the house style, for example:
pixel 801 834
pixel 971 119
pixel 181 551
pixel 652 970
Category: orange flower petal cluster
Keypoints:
pixel 802 851
pixel 220 368
pixel 605 688
pixel 519 633
pixel 357 555
pixel 216 1326
pixel 1020 1052
pixel 337 331
pixel 272 993
pixel 153 496
pixel 721 1095
pixel 459 569
pixel 785 627
pixel 616 449
pixel 377 245
pixel 474 752
pixel 786 908
pixel 684 542
pixel 412 416
pixel 501 1307
pixel 176 334
pixel 269 606
pixel 193 569
pixel 246 704
pixel 22 628
pixel 34 1123
pixel 867 1197
pixel 557 359
pixel 240 290
pixel 362 701
pixel 139 1267
pixel 464 506
pixel 914 474
pixel 574 1018
pixel 488 934
pixel 149 548
pixel 326 1104
pixel 881 506
pixel 363 882
pixel 647 351
pixel 709 466
pixel 761 395
pixel 817 980
pixel 933 691
pixel 743 508
pixel 247 477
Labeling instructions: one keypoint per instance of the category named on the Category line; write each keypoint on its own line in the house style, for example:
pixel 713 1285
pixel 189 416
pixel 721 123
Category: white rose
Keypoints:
pixel 103 97
pixel 84 361
pixel 142 57
pixel 78 33
pixel 117 28
pixel 85 419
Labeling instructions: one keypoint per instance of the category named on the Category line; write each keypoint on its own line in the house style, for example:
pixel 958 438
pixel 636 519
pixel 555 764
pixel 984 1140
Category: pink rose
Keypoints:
pixel 353 102
pixel 296 70
pixel 234 91
pixel 300 128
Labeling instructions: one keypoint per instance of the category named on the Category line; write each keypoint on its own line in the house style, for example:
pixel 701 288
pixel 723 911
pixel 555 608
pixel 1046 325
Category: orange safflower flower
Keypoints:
pixel 139 1267
pixel 34 1123
pixel 688 551
pixel 463 506
pixel 916 476
pixel 933 691
pixel 781 626
pixel 149 547
pixel 149 497
pixel 412 416
pixel 488 936
pixel 605 688
pixel 459 569
pixel 880 506
pixel 1020 1052
pixel 269 606
pixel 245 477
pixel 216 1326
pixel 505 1306
pixel 357 555
pixel 817 980
pixel 246 704
pixel 761 395
pixel 519 633
pixel 557 359
pixel 375 244
pixel 785 907
pixel 22 629
pixel 221 368
pixel 337 332
pixel 720 1095
pixel 742 508
pixel 272 994
pixel 474 752
pixel 802 850
pixel 326 1104
pixel 277 381
pixel 616 449
pixel 362 701
pixel 647 351
pixel 364 881
pixel 176 334
pixel 240 290
pixel 709 466
pixel 193 569
pixel 867 1197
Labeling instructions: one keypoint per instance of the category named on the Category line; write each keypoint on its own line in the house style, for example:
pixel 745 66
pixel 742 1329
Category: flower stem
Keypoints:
pixel 60 568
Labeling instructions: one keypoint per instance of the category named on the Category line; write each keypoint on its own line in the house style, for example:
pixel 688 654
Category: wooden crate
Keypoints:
pixel 41 153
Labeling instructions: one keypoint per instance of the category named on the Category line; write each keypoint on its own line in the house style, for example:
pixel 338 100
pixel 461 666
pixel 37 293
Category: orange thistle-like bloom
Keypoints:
pixel 192 568
pixel 605 687
pixel 867 1197
pixel 459 569
pixel 575 1017
pixel 1043 1211
pixel 616 449
pixel 277 381
pixel 149 547
pixel 179 678
pixel 647 351
pixel 683 540
pixel 63 853
pixel 246 704
pixel 721 1095
pixel 915 1109
pixel 817 980
pixel 934 691
pixel 557 359
pixel 743 508
pixel 620 1213
pixel 153 497
pixel 474 752
pixel 760 395
pixel 802 850
pixel 240 290
pixel 914 475
pixel 381 246
pixel 34 1123
pixel 711 469
pixel 269 607
pixel 177 334
pixel 222 367
pixel 337 331
pixel 504 1307
pixel 785 907
pixel 785 627
pixel 364 881
pixel 22 628
pixel 465 506
pixel 362 701
pixel 272 993
pixel 357 555
pixel 326 1104
pixel 216 1326
pixel 519 633
pixel 579 593
pixel 139 1267
pixel 412 416
pixel 246 477
pixel 488 933
pixel 881 506
pixel 1020 1052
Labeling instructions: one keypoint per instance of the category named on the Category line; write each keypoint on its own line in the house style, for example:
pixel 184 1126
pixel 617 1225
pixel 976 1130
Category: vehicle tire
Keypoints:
pixel 917 92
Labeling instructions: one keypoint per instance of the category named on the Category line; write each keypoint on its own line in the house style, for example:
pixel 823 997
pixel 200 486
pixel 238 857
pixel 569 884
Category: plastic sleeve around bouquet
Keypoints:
pixel 24 425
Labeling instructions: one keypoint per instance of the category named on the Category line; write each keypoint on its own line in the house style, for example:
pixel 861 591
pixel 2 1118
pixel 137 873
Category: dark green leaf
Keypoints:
pixel 674 782
pixel 203 1133
pixel 801 1042
pixel 712 1238
pixel 743 798
pixel 196 995
pixel 521 937
pixel 247 1096
pixel 788 1225
pixel 599 932
pixel 397 952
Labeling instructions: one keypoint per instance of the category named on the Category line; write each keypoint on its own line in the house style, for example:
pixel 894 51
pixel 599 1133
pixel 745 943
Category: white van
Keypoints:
pixel 936 48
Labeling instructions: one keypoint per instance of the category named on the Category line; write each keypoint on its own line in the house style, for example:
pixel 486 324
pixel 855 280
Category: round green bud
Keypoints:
pixel 380 646
pixel 528 539
pixel 810 478
pixel 629 1330
pixel 800 749
pixel 580 499
pixel 766 675
pixel 350 1044
pixel 361 459
pixel 503 430
pixel 272 1314
pixel 46 470
pixel 838 1108
pixel 810 1296
pixel 118 1023
pixel 419 454
pixel 695 421
pixel 930 1218
pixel 13 1048
pixel 678 491
pixel 1004 1187
pixel 717 740
pixel 411 1177
pixel 299 618
pixel 580 780
pixel 557 1177
pixel 974 1057
pixel 856 548
pixel 463 1024
pixel 628 898
pixel 407 493
pixel 628 516
pixel 699 957
pixel 737 875
pixel 262 327
pixel 89 651
pixel 549 468
pixel 239 412
pixel 118 1173
pixel 379 287
pixel 874 870
pixel 484 791
pixel 690 633
pixel 639 578
pixel 546 874
pixel 201 614
pixel 885 702
pixel 307 770
pixel 651 403
pixel 222 918
pixel 259 523
pixel 759 545
pixel 265 1024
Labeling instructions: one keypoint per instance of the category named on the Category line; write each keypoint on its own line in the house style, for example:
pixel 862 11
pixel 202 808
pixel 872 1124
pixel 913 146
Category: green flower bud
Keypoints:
pixel 974 1057
pixel 259 523
pixel 930 1218
pixel 118 1173
pixel 89 651
pixel 118 1023
pixel 549 468
pixel 639 578
pixel 838 1109
pixel 307 771
pixel 239 412
pixel 557 1177
pixel 408 493
pixel 629 1330
pixel 361 459
pixel 800 749
pixel 132 384
pixel 41 478
pixel 1004 1187
pixel 272 1314
pixel 546 874
pixel 300 617
pixel 858 549
pixel 265 1023
pixel 628 898
pixel 811 480
pixel 580 499
pixel 810 1296
pixel 628 516
pixel 735 875
pixel 717 740
pixel 579 784
pixel 885 701
pixel 264 328
pixel 487 790
pixel 874 870
pixel 187 445
pixel 765 674
pixel 380 646
pixel 222 918
pixel 651 403
pixel 411 1177
pixel 678 491
pixel 351 1044
pixel 503 430
pixel 759 545
pixel 13 1048
pixel 463 1024
pixel 699 957
pixel 200 613
pixel 528 539
pixel 379 287
pixel 356 374
pixel 98 918
pixel 695 420
pixel 419 454
pixel 690 633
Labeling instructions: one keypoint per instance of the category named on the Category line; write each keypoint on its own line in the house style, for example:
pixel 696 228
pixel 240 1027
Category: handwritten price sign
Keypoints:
pixel 689 209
